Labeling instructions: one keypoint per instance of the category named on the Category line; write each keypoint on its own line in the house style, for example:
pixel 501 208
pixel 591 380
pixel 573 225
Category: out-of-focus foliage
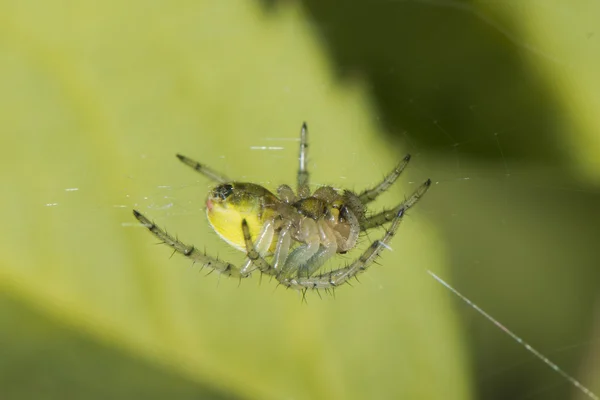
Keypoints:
pixel 95 100
pixel 44 359
pixel 566 35
pixel 503 97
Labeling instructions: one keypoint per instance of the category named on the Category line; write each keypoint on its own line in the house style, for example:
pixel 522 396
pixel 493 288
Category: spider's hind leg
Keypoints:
pixel 389 215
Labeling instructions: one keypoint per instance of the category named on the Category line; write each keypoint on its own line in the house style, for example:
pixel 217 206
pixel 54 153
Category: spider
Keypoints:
pixel 290 235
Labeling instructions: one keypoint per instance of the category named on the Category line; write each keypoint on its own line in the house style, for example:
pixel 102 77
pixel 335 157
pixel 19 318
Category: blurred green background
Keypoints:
pixel 497 102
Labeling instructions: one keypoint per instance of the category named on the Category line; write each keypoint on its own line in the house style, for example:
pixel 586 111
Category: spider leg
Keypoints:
pixel 282 249
pixel 253 255
pixel 336 277
pixel 203 169
pixel 371 194
pixel 327 250
pixel 260 246
pixel 190 252
pixel 303 190
pixel 388 215
pixel 310 238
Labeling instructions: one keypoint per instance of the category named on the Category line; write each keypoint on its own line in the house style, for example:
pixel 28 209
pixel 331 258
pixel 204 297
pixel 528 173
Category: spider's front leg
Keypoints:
pixel 190 252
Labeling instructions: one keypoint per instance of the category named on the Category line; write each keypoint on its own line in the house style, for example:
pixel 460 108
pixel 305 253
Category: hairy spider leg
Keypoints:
pixel 371 194
pixel 203 169
pixel 306 268
pixel 281 251
pixel 388 215
pixel 339 276
pixel 303 189
pixel 190 252
pixel 253 255
pixel 261 245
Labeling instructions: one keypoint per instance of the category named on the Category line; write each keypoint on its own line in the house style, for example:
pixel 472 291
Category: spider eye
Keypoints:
pixel 223 191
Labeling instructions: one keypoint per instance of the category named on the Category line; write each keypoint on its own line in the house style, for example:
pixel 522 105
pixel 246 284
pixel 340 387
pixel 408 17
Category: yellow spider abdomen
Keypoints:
pixel 228 204
pixel 226 221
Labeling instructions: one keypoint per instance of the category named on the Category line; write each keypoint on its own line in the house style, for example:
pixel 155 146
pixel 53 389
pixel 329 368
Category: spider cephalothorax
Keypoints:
pixel 292 234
